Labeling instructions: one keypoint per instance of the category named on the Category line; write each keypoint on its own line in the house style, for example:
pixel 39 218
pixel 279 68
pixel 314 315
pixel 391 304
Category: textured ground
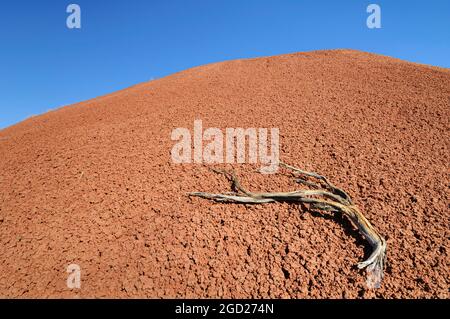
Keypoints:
pixel 94 184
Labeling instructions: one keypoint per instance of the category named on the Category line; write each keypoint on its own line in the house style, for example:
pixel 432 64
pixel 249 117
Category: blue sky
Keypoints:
pixel 44 65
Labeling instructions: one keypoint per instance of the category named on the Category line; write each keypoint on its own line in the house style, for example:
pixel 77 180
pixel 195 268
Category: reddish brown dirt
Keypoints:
pixel 94 184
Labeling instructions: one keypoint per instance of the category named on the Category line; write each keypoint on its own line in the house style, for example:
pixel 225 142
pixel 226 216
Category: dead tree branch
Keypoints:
pixel 323 196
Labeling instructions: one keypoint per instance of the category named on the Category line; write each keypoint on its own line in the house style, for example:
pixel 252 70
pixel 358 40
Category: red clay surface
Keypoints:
pixel 94 184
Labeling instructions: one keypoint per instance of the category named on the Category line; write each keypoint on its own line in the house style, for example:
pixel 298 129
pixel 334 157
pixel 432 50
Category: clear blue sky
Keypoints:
pixel 44 65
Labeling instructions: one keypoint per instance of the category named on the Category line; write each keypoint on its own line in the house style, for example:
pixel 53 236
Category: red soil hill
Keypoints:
pixel 94 184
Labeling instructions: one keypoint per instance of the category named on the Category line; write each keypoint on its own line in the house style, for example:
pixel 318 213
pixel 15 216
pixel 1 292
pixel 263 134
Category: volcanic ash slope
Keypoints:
pixel 94 184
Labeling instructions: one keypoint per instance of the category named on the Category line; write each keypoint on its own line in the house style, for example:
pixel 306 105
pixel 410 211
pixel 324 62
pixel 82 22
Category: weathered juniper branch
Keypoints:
pixel 329 185
pixel 331 198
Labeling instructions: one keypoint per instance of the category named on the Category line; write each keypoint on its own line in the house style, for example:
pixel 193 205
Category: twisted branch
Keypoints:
pixel 324 196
